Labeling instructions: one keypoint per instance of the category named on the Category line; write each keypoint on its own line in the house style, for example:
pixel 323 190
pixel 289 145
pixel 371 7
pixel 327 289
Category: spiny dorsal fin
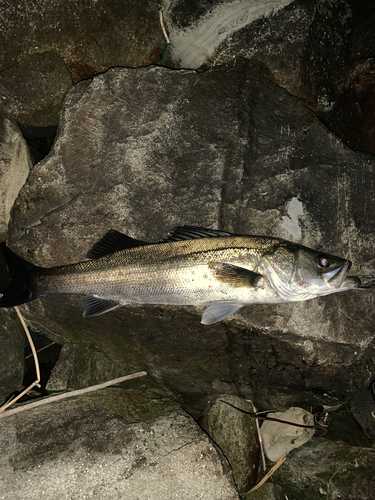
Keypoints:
pixel 112 242
pixel 193 232
pixel 93 306
pixel 234 275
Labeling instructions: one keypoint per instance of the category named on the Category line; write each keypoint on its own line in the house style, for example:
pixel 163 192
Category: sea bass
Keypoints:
pixel 193 266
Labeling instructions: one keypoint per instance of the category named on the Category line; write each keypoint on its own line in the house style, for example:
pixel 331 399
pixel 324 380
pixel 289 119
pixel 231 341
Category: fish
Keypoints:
pixel 193 266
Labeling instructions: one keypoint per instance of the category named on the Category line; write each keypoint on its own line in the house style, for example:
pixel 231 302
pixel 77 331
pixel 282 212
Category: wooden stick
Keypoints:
pixel 269 474
pixel 33 350
pixel 162 25
pixel 71 394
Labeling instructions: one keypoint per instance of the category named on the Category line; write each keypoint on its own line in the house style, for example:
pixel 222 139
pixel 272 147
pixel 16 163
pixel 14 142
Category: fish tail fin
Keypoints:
pixel 20 272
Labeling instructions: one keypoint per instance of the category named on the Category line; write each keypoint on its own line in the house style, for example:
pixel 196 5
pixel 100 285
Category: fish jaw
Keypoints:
pixel 336 277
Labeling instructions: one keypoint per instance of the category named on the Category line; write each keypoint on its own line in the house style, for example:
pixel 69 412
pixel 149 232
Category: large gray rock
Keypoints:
pixel 47 45
pixel 15 164
pixel 236 435
pixel 93 447
pixel 303 42
pixel 324 469
pixel 90 36
pixel 33 90
pixel 12 341
pixel 144 150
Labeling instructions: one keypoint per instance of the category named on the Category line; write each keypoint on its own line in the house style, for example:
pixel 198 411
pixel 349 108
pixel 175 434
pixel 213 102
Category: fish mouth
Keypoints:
pixel 336 277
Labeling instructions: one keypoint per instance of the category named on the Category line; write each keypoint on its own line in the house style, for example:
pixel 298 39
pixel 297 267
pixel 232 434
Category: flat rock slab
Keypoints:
pixel 83 448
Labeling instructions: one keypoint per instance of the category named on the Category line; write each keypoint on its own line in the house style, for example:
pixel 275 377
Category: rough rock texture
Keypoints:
pixel 90 36
pixel 12 341
pixel 268 491
pixel 79 366
pixel 46 45
pixel 236 435
pixel 144 150
pixel 324 469
pixel 86 447
pixel 352 117
pixel 33 90
pixel 279 439
pixel 15 164
pixel 294 39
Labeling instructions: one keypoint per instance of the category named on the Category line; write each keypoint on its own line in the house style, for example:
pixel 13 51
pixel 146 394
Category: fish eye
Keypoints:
pixel 323 261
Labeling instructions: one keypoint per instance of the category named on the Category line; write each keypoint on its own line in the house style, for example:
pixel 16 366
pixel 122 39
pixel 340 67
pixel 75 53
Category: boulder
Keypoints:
pixel 46 46
pixel 294 39
pixel 143 150
pixel 352 116
pixel 236 435
pixel 79 366
pixel 33 89
pixel 90 36
pixel 93 446
pixel 15 164
pixel 12 364
pixel 323 468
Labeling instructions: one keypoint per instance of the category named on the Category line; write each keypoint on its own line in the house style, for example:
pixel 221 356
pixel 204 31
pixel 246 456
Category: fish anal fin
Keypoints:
pixel 112 242
pixel 219 311
pixel 234 275
pixel 94 306
pixel 180 233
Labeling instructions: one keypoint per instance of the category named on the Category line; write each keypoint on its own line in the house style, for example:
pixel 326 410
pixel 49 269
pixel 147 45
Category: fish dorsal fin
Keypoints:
pixel 112 242
pixel 94 306
pixel 193 232
pixel 219 311
pixel 234 275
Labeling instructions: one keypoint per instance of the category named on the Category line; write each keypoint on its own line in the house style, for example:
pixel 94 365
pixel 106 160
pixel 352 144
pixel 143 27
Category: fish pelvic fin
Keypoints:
pixel 112 242
pixel 19 289
pixel 234 275
pixel 94 306
pixel 219 311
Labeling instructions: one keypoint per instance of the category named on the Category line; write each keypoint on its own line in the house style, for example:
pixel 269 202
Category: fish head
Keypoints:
pixel 299 273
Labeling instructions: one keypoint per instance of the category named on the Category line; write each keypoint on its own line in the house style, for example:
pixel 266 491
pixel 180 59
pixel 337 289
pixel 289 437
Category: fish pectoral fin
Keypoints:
pixel 112 242
pixel 93 306
pixel 234 275
pixel 219 311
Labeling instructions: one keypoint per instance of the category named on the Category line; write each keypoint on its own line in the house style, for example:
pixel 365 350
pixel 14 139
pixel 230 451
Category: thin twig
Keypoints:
pixel 36 383
pixel 162 25
pixel 269 473
pixel 258 416
pixel 259 437
pixel 42 349
pixel 71 394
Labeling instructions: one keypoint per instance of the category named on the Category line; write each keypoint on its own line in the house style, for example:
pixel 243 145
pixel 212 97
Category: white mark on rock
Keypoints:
pixel 290 222
pixel 194 45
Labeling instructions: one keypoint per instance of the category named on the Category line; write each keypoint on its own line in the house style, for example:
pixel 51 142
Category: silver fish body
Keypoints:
pixel 197 267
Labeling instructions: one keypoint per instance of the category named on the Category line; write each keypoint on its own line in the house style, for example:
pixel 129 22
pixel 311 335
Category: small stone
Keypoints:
pixel 279 438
